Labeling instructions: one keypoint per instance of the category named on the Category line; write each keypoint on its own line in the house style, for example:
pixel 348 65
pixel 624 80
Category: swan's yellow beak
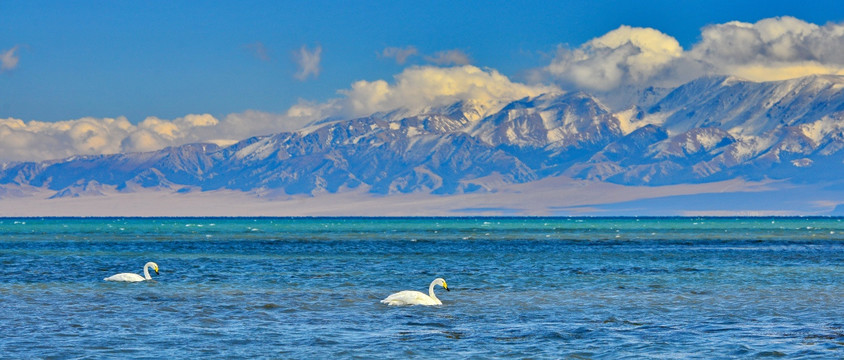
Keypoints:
pixel 156 270
pixel 445 286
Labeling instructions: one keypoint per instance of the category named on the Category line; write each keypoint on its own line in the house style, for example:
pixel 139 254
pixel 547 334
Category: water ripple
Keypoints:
pixel 520 288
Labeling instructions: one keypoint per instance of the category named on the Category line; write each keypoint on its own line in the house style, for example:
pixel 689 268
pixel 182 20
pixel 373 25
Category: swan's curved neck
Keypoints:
pixel 146 272
pixel 431 291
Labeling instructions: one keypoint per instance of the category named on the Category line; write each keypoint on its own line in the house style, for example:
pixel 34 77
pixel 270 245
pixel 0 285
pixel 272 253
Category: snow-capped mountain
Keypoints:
pixel 721 127
pixel 710 129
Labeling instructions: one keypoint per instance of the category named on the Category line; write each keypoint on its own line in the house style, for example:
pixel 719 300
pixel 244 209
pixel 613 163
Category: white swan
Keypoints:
pixel 411 297
pixel 135 277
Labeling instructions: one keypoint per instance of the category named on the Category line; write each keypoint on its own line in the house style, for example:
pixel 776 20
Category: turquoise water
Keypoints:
pixel 520 288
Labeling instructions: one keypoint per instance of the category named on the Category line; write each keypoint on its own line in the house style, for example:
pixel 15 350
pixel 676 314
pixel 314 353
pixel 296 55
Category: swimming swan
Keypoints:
pixel 411 297
pixel 135 277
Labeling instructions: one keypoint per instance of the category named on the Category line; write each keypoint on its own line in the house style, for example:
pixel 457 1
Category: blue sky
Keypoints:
pixel 132 60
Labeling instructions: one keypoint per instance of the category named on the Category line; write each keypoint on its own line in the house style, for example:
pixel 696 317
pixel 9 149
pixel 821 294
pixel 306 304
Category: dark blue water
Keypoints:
pixel 520 287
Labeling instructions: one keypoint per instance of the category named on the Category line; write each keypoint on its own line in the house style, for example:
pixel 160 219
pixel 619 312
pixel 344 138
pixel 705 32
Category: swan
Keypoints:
pixel 411 297
pixel 135 277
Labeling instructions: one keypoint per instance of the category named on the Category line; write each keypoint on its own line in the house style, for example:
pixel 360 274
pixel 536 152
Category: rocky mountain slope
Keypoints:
pixel 710 129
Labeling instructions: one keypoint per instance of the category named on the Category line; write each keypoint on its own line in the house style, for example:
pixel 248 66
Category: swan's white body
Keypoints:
pixel 135 277
pixel 411 297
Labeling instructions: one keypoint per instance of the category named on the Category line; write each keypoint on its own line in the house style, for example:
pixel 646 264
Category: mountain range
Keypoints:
pixel 709 130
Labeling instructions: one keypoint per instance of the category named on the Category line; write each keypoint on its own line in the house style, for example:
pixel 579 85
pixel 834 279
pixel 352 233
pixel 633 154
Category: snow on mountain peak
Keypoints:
pixel 709 129
pixel 819 129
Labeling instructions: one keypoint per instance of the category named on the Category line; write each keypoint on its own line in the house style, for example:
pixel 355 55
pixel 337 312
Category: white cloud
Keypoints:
pixel 37 140
pixel 770 49
pixel 449 57
pixel 423 86
pixel 8 59
pixel 308 61
pixel 624 55
pixel 400 54
pixel 414 89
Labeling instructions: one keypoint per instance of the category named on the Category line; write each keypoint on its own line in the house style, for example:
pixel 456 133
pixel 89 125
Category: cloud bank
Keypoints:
pixel 770 49
pixel 420 87
pixel 624 55
pixel 414 89
pixel 36 140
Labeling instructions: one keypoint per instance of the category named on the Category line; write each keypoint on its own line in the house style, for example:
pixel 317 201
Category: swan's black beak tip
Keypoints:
pixel 446 289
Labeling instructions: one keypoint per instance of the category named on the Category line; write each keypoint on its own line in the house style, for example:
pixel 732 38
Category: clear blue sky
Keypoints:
pixel 172 58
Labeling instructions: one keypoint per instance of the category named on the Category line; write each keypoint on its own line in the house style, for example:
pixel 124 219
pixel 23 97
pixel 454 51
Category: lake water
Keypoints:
pixel 520 288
